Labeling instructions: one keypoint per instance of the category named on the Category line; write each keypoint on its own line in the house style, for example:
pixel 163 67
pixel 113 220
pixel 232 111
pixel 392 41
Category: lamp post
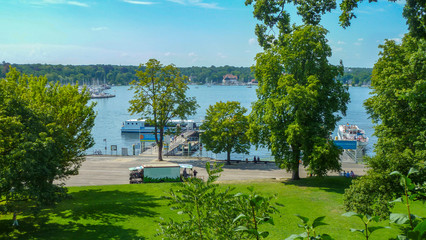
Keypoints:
pixel 105 146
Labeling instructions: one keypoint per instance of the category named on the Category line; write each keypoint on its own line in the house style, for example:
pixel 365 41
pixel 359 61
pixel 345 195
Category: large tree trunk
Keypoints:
pixel 160 145
pixel 295 174
pixel 295 164
pixel 160 151
pixel 228 158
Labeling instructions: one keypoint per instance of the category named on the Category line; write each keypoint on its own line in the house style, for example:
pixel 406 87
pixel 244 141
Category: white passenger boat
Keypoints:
pixel 352 133
pixel 141 126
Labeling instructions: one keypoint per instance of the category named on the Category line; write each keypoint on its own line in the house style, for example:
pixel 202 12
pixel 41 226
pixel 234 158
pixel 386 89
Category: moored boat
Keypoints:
pixel 141 126
pixel 102 95
pixel 352 133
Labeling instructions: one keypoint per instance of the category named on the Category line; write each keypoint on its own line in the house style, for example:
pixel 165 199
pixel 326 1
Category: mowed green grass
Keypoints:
pixel 132 211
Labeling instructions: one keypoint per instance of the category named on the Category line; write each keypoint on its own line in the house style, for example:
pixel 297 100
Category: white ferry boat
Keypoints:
pixel 140 126
pixel 352 133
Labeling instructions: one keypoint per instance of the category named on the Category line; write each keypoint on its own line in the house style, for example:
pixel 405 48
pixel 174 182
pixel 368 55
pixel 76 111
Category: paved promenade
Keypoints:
pixel 106 170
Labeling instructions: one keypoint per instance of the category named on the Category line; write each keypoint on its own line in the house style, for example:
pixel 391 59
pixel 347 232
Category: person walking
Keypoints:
pixel 15 221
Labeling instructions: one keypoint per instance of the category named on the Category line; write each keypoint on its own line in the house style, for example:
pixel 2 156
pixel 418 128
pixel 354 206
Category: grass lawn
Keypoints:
pixel 131 211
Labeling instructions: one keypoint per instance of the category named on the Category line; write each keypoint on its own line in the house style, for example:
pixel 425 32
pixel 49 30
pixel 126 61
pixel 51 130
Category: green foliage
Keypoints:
pixel 44 131
pixel 310 232
pixel 413 11
pixel 298 98
pixel 120 75
pixel 412 192
pixel 130 211
pixel 398 80
pixel 274 16
pixel 356 76
pixel 370 195
pixel 225 128
pixel 254 210
pixel 160 97
pixel 366 219
pixel 397 107
pixel 212 213
pixel 208 211
pixel 159 180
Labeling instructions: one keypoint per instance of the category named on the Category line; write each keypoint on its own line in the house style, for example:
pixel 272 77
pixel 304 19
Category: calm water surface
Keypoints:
pixel 111 113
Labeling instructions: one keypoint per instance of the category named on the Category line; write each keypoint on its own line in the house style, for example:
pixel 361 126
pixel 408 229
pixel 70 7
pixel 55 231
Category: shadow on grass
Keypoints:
pixel 89 214
pixel 29 228
pixel 335 184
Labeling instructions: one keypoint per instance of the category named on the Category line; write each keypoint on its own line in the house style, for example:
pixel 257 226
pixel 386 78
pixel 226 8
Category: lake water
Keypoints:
pixel 111 113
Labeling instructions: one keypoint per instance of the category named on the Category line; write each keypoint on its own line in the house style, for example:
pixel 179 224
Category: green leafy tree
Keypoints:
pixel 208 211
pixel 160 97
pixel 254 210
pixel 370 195
pixel 366 220
pixel 397 107
pixel 412 192
pixel 310 229
pixel 414 12
pixel 225 127
pixel 298 98
pixel 45 129
pixel 273 14
pixel 298 95
pixel 211 212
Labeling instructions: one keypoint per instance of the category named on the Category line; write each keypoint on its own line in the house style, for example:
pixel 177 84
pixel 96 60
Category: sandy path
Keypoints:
pixel 106 170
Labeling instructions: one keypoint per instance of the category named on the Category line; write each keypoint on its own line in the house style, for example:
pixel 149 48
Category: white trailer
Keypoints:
pixel 157 172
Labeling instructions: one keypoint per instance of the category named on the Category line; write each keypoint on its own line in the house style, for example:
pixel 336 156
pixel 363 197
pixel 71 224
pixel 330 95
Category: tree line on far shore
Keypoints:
pixel 123 75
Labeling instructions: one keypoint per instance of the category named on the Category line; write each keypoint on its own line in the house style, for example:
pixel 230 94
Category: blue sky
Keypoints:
pixel 182 32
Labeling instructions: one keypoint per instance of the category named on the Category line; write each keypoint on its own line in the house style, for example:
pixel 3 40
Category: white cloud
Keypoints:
pixel 252 41
pixel 177 1
pixel 397 40
pixel 192 54
pixel 79 4
pixel 139 2
pixel 221 55
pixel 340 42
pixel 338 49
pixel 198 3
pixel 49 2
pixel 401 2
pixel 359 41
pixel 99 28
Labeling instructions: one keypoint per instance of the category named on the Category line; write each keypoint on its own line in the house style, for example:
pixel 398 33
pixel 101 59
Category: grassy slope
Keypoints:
pixel 130 212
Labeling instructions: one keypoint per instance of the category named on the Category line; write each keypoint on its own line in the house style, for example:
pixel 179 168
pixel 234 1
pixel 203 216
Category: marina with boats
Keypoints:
pixel 112 113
